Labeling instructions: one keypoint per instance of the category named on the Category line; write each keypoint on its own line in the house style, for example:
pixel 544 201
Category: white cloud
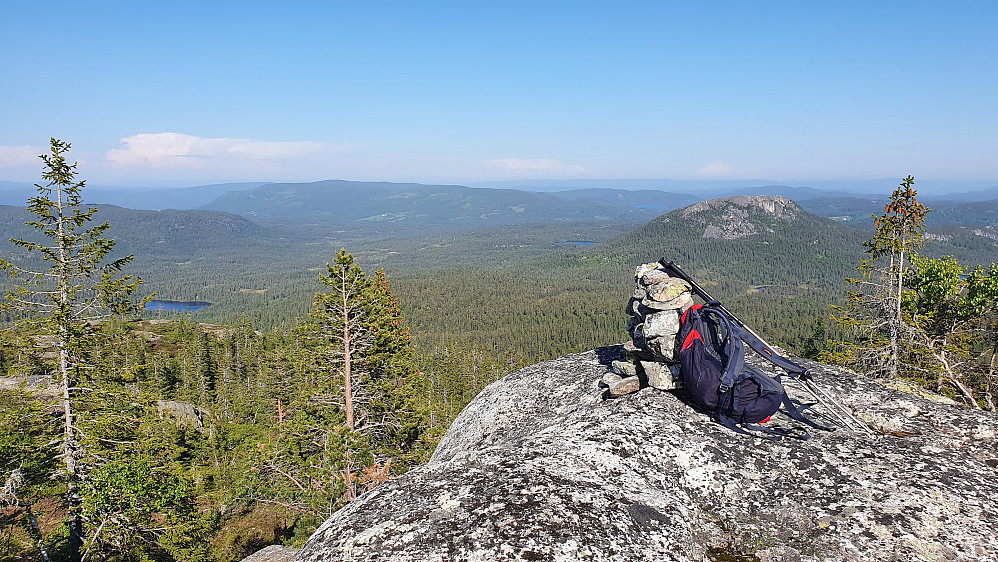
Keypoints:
pixel 12 156
pixel 714 170
pixel 260 150
pixel 533 164
pixel 176 150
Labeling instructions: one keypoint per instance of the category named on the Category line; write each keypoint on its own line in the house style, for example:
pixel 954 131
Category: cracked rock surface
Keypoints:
pixel 540 466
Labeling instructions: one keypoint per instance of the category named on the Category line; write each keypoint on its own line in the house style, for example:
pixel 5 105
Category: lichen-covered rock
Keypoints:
pixel 541 467
pixel 683 301
pixel 665 323
pixel 667 290
pixel 272 553
pixel 185 414
pixel 624 368
pixel 661 376
pixel 648 274
pixel 654 312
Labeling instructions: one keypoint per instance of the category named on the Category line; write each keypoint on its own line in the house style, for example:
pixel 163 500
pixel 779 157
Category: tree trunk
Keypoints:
pixel 347 389
pixel 69 449
pixel 900 280
pixel 73 521
pixel 351 490
pixel 952 375
pixel 990 383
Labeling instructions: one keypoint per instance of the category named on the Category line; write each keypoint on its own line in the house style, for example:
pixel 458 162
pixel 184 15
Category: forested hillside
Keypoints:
pixel 220 439
pixel 944 213
pixel 459 283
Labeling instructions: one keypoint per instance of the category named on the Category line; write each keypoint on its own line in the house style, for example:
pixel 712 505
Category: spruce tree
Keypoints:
pixel 361 412
pixel 874 310
pixel 397 390
pixel 76 286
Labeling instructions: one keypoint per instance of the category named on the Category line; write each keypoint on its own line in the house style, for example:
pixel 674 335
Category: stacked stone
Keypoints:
pixel 655 309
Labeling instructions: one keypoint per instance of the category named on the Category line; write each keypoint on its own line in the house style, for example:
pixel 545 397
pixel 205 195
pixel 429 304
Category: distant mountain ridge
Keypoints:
pixel 796 193
pixel 166 234
pixel 942 213
pixel 962 190
pixel 966 196
pixel 13 193
pixel 645 198
pixel 423 205
pixel 408 205
pixel 180 198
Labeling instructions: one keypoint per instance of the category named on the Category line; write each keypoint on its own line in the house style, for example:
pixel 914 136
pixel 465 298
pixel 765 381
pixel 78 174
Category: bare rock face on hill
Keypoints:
pixel 541 467
pixel 729 218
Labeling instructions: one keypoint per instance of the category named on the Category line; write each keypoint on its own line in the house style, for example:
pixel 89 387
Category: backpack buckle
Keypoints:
pixel 723 388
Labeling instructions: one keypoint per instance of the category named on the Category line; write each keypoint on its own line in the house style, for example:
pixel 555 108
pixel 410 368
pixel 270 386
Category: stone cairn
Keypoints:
pixel 653 353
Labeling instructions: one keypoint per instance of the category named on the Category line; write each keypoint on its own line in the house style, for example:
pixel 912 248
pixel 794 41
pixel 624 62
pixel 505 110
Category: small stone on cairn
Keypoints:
pixel 658 302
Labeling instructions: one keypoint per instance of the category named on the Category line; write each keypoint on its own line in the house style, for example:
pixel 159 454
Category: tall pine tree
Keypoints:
pixel 76 286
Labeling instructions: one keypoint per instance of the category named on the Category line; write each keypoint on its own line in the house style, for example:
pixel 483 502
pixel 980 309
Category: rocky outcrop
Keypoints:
pixel 40 385
pixel 729 218
pixel 987 232
pixel 541 467
pixel 185 414
pixel 272 553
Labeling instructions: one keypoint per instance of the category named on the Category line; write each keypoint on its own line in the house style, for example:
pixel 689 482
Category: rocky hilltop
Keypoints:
pixel 542 466
pixel 729 218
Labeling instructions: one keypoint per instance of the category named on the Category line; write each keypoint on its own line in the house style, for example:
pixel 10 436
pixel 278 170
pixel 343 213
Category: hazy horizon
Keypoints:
pixel 934 188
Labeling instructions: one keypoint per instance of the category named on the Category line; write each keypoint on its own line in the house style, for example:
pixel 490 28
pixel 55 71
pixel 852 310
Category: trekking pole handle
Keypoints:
pixel 677 271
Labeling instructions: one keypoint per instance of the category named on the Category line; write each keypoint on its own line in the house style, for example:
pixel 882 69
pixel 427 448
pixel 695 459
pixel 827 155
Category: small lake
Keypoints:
pixel 578 242
pixel 176 306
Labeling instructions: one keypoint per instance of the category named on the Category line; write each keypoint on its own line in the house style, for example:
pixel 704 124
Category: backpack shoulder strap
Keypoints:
pixel 734 351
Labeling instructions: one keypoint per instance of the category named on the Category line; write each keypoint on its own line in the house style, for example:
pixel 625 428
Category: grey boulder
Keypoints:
pixel 541 466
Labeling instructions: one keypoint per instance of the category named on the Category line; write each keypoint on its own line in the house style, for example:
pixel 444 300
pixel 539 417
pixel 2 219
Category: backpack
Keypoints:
pixel 739 395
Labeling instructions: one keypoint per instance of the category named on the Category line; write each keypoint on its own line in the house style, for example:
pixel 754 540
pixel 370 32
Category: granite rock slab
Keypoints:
pixel 541 466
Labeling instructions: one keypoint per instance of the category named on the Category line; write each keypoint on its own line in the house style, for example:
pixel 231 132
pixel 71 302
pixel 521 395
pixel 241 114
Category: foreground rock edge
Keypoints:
pixel 541 466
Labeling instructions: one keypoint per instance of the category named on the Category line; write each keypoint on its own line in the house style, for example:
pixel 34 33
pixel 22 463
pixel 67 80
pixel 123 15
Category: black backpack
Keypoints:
pixel 739 395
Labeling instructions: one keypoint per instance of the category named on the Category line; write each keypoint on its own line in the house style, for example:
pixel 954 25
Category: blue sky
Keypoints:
pixel 174 93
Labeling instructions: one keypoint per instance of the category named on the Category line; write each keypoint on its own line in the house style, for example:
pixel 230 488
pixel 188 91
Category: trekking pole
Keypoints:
pixel 847 418
pixel 839 411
